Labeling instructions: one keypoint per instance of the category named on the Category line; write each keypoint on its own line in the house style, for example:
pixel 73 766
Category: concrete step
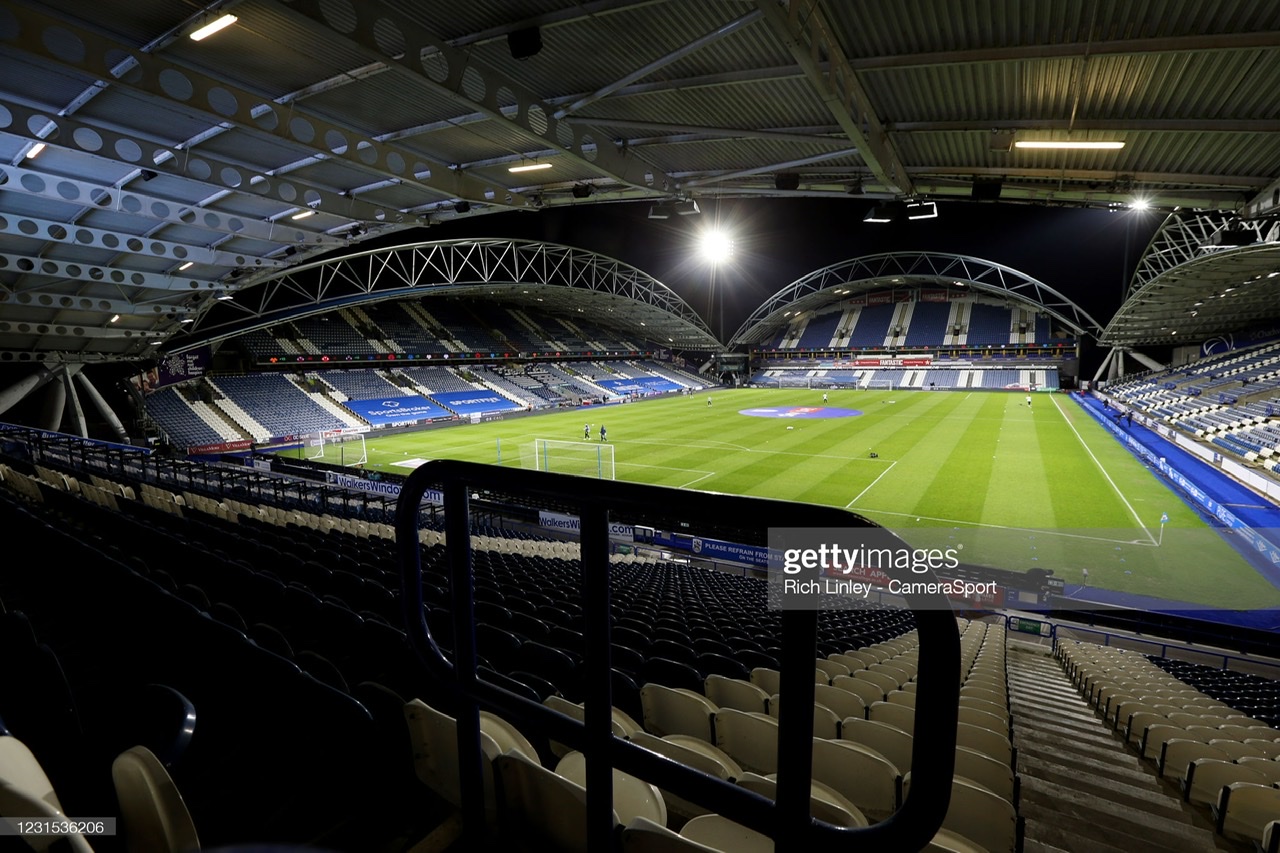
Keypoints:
pixel 1104 769
pixel 1095 735
pixel 1042 837
pixel 1138 790
pixel 1082 787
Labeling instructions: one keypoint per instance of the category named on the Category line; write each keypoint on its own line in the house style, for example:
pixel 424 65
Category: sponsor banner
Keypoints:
pixel 573 524
pixel 643 385
pixel 879 298
pixel 717 549
pixel 224 447
pixel 182 366
pixel 390 411
pixel 935 295
pixel 913 361
pixel 378 487
pixel 477 401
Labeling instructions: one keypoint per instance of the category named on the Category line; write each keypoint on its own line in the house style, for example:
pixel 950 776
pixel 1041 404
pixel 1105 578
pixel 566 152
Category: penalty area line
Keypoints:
pixel 873 482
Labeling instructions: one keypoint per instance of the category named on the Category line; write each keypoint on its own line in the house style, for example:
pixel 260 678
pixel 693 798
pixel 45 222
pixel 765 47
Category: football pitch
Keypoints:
pixel 1012 485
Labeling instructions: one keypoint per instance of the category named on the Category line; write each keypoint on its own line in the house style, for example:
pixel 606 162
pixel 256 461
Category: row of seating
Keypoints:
pixel 1220 759
pixel 854 783
pixel 678 599
pixel 1250 694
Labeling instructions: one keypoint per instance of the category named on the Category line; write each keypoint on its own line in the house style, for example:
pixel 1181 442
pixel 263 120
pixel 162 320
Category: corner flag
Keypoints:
pixel 1164 518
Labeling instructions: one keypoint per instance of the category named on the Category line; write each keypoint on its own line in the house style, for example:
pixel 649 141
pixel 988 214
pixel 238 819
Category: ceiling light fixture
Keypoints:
pixel 922 210
pixel 188 265
pixel 303 214
pixel 528 167
pixel 35 150
pixel 115 317
pixel 1068 144
pixel 213 27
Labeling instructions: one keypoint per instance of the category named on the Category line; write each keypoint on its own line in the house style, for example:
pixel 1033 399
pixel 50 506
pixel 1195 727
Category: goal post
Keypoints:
pixel 877 384
pixel 582 458
pixel 346 447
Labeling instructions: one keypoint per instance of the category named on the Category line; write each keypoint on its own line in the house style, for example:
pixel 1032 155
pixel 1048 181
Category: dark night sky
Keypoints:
pixel 1087 255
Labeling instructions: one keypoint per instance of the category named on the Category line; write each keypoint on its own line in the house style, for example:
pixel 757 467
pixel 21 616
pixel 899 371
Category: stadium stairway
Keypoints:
pixel 1082 788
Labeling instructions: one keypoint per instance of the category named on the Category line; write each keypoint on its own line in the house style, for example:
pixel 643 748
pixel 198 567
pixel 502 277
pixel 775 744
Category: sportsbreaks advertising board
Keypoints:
pixel 474 402
pixel 641 385
pixel 389 411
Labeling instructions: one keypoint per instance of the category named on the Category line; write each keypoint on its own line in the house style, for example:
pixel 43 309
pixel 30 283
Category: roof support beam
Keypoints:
pixel 68 270
pixel 96 196
pixel 661 62
pixel 92 137
pixel 803 27
pixel 1175 125
pixel 773 167
pixel 1115 47
pixel 720 132
pixel 184 86
pixel 100 238
pixel 446 71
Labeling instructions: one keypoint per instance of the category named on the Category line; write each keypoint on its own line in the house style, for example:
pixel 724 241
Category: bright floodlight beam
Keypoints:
pixel 716 246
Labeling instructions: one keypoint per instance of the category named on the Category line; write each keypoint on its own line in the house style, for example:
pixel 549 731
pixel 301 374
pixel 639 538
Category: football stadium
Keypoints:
pixel 388 390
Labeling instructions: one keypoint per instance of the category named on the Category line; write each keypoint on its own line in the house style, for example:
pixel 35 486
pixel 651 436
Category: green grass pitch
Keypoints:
pixel 1013 486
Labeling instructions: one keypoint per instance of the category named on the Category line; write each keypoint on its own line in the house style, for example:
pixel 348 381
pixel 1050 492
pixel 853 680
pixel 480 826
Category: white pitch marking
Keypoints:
pixel 1089 450
pixel 873 482
pixel 1037 530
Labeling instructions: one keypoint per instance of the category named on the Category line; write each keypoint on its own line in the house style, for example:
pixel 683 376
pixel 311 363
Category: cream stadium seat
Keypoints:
pixel 669 711
pixel 736 693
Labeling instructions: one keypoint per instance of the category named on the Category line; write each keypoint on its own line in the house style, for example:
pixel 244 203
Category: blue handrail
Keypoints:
pixel 786 820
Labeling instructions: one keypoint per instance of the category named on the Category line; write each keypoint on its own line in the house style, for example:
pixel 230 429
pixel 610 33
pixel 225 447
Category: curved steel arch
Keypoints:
pixel 871 271
pixel 1190 286
pixel 588 280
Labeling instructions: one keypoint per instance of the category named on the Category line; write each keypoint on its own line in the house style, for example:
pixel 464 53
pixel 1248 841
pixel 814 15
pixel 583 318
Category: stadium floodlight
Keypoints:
pixel 716 245
pixel 889 211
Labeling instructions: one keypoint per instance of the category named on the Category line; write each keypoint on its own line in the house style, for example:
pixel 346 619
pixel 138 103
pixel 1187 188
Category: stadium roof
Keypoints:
pixel 1202 276
pixel 144 172
pixel 904 271
pixel 559 279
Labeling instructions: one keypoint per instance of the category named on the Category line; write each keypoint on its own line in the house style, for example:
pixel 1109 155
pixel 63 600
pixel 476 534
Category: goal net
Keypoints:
pixel 339 446
pixel 877 384
pixel 583 458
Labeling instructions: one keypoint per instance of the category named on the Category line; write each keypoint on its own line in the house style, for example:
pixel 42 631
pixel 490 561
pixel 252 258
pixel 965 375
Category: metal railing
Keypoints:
pixel 785 820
